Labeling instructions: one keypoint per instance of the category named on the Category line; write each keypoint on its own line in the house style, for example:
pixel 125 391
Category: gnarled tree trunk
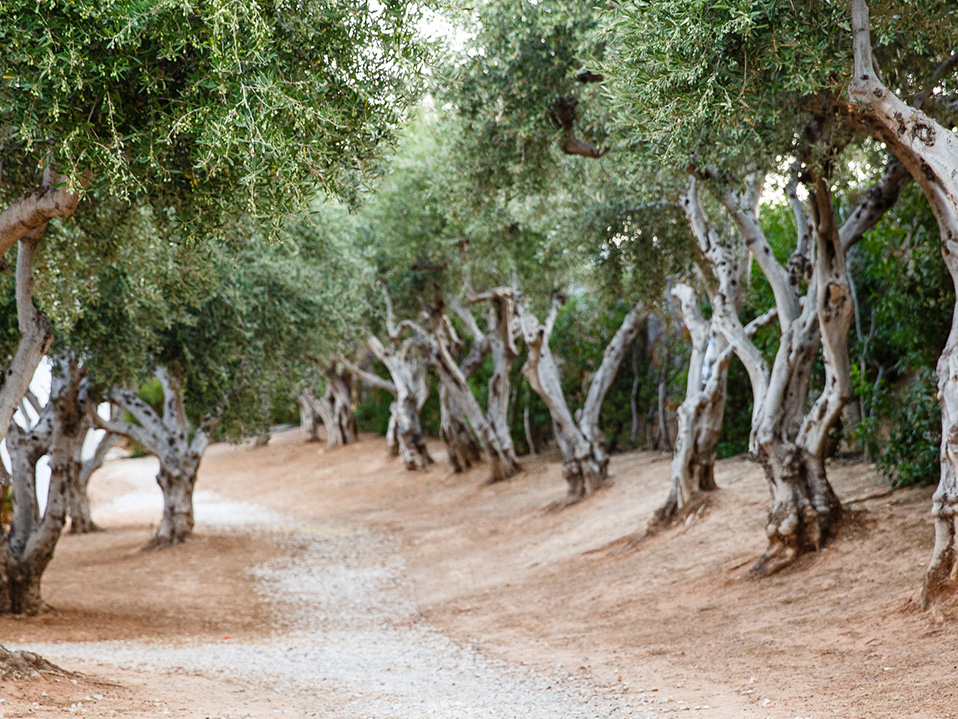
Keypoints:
pixel 408 386
pixel 787 438
pixel 461 446
pixel 166 437
pixel 584 459
pixel 929 151
pixel 26 551
pixel 334 409
pixel 24 221
pixel 309 417
pixel 699 416
pixel 499 453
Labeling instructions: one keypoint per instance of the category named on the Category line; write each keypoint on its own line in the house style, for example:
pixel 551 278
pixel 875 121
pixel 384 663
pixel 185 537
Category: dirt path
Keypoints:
pixel 333 583
pixel 346 637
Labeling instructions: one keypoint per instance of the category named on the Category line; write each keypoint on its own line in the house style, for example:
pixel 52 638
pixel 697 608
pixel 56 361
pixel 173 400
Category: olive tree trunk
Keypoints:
pixel 787 437
pixel 408 385
pixel 309 417
pixel 929 151
pixel 27 548
pixel 334 409
pixel 584 459
pixel 168 438
pixel 81 520
pixel 699 417
pixel 461 447
pixel 495 441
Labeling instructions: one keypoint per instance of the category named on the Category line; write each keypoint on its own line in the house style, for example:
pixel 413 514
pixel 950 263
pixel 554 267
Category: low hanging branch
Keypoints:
pixel 563 114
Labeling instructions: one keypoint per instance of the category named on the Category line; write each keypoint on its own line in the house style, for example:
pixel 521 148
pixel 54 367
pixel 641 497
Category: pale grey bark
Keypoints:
pixel 408 385
pixel 81 519
pixel 584 459
pixel 36 334
pixel 334 410
pixel 788 438
pixel 929 151
pixel 309 418
pixel 490 428
pixel 24 221
pixel 167 437
pixel 699 417
pixel 26 550
pixel 500 334
pixel 461 447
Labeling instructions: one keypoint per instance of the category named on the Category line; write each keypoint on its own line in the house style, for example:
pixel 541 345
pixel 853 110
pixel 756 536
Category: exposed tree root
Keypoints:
pixel 26 665
pixel 670 515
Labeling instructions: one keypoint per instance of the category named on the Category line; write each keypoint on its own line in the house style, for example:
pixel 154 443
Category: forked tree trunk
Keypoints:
pixel 584 460
pixel 309 417
pixel 404 435
pixel 929 151
pixel 787 438
pixel 36 334
pixel 699 416
pixel 166 437
pixel 408 386
pixel 27 550
pixel 500 454
pixel 335 407
pixel 504 354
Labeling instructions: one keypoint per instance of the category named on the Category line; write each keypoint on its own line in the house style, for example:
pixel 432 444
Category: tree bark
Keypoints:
pixel 584 459
pixel 334 409
pixel 929 151
pixel 461 446
pixel 166 437
pixel 309 417
pixel 787 438
pixel 699 417
pixel 81 519
pixel 408 386
pixel 501 313
pixel 496 443
pixel 36 334
pixel 338 406
pixel 26 551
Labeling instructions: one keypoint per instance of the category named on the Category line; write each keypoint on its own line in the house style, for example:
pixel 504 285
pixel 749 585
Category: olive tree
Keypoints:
pixel 210 109
pixel 674 67
pixel 929 151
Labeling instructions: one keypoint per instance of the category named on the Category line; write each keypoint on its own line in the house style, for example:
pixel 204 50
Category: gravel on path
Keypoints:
pixel 349 642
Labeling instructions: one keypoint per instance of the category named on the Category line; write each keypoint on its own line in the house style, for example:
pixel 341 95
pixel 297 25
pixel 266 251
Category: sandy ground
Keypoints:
pixel 567 595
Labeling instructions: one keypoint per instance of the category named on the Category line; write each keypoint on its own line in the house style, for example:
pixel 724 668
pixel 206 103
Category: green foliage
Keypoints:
pixel 207 107
pixel 729 82
pixel 906 299
pixel 524 58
